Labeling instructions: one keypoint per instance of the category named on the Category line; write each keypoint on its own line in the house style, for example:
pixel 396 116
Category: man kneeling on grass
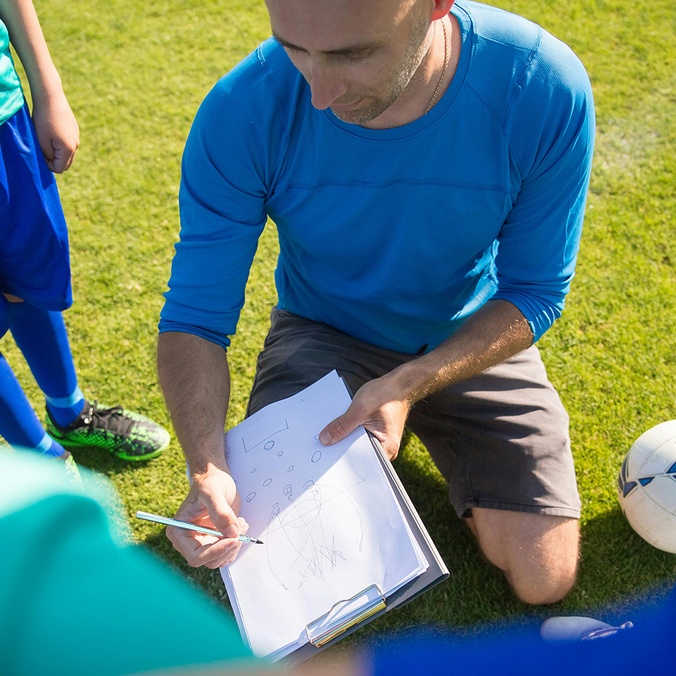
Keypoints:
pixel 426 164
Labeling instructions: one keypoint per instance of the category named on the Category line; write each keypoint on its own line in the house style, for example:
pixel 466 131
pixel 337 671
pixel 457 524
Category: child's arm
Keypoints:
pixel 55 124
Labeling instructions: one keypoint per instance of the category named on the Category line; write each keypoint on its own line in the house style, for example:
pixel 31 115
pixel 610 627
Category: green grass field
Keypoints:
pixel 135 74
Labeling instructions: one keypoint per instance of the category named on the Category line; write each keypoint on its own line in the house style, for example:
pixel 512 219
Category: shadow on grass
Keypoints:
pixel 104 462
pixel 476 598
pixel 618 570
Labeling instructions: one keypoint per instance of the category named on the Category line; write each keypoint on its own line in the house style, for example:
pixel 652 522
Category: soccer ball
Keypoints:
pixel 647 486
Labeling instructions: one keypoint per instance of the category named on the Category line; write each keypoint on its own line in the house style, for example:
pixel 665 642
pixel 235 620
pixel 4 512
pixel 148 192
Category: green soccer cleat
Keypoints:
pixel 72 472
pixel 125 434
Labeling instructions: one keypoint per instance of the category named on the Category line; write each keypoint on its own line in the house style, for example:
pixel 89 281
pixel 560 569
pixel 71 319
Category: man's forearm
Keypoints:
pixel 195 379
pixel 494 333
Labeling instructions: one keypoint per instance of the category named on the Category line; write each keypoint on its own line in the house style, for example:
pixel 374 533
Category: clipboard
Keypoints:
pixel 436 573
pixel 401 578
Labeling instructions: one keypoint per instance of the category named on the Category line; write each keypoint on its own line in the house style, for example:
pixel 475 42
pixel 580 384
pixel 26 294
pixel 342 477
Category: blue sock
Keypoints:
pixel 42 338
pixel 66 409
pixel 18 423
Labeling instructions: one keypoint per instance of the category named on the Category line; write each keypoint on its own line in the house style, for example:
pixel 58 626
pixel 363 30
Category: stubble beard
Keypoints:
pixel 398 82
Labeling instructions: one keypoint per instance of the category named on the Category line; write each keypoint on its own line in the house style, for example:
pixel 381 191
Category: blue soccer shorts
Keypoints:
pixel 34 255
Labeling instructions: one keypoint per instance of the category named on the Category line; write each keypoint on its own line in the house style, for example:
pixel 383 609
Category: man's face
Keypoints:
pixel 358 56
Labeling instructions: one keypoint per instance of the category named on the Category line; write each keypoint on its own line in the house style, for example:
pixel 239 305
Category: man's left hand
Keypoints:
pixel 380 408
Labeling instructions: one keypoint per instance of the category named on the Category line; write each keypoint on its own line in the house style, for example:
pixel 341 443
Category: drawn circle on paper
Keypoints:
pixel 267 482
pixel 280 454
pixel 251 496
pixel 316 456
pixel 287 490
pixel 269 444
pixel 308 484
pixel 290 468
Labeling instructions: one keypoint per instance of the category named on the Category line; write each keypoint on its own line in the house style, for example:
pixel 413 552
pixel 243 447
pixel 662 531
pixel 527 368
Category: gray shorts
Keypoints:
pixel 500 439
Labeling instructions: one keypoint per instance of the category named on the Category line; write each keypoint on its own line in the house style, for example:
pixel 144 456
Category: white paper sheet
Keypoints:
pixel 331 524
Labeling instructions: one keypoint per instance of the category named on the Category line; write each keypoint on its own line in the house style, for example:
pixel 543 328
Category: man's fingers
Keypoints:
pixel 208 504
pixel 221 517
pixel 203 550
pixel 338 429
pixel 213 495
pixel 230 554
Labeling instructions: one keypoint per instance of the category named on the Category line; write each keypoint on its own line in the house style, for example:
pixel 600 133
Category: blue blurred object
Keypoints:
pixel 647 647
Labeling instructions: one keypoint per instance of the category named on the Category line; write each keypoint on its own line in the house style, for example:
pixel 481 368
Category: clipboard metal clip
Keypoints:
pixel 344 615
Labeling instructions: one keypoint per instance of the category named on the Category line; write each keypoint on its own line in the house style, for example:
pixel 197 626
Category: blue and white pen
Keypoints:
pixel 186 525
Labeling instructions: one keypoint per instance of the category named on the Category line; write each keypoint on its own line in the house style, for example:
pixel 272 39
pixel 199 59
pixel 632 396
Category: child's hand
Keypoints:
pixel 57 131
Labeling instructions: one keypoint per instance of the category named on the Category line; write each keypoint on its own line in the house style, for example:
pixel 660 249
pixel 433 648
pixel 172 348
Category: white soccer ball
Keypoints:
pixel 647 486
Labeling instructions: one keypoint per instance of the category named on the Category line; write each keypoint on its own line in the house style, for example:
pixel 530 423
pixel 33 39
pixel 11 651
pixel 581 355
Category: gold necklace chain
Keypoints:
pixel 443 72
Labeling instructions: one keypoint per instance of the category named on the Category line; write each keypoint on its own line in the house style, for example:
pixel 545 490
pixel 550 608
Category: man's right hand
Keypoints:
pixel 212 502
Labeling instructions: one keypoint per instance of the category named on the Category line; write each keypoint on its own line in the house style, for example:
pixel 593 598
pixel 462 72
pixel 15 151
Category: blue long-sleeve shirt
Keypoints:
pixel 394 236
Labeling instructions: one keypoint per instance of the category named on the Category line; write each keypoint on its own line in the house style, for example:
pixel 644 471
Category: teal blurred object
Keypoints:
pixel 76 599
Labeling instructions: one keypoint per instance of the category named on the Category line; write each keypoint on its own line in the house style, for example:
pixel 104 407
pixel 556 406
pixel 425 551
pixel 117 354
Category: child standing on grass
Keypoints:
pixel 35 285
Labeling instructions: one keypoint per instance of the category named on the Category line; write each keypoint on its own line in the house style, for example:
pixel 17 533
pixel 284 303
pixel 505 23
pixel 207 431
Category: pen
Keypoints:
pixel 186 525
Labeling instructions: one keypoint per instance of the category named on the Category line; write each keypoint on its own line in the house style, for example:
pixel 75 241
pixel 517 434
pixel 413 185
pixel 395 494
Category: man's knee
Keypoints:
pixel 538 553
pixel 546 585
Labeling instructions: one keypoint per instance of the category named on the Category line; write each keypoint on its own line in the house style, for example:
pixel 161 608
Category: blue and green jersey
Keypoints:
pixel 11 94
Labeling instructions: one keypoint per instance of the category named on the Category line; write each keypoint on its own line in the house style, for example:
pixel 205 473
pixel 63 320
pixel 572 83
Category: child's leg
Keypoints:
pixel 19 425
pixel 41 336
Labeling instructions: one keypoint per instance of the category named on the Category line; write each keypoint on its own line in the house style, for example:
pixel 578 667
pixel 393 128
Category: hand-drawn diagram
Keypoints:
pixel 331 522
pixel 267 442
pixel 303 542
pixel 312 526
